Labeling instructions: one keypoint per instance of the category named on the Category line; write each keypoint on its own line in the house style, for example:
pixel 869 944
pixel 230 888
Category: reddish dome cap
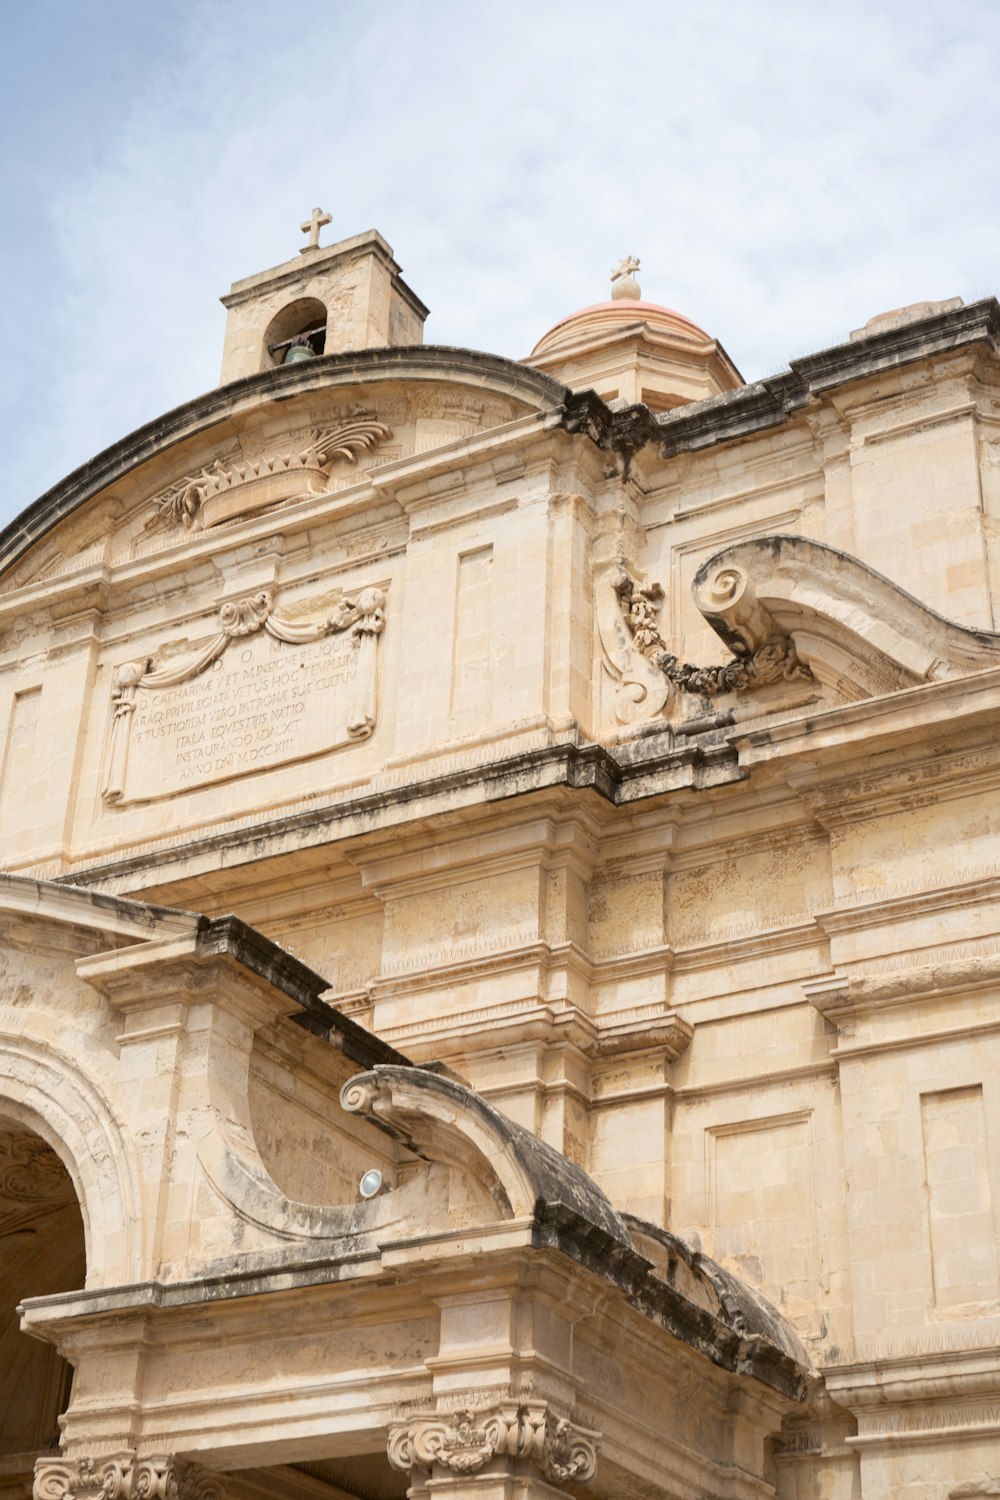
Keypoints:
pixel 603 318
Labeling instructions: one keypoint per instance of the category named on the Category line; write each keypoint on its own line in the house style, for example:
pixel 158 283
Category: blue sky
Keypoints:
pixel 784 171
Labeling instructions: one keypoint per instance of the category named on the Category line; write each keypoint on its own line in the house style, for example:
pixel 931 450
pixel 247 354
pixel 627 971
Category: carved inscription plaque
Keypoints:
pixel 261 692
pixel 258 705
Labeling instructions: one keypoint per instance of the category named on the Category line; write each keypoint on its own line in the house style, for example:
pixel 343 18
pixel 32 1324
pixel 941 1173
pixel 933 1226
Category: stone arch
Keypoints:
pixel 305 315
pixel 45 1093
pixel 42 1252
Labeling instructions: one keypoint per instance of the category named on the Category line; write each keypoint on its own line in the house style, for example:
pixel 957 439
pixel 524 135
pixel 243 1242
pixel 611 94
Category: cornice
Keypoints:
pixel 771 402
pixel 732 415
pixel 904 715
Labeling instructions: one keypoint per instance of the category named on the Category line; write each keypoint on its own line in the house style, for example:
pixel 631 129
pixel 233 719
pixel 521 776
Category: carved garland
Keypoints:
pixel 182 503
pixel 466 1441
pixel 122 1476
pixel 775 660
pixel 364 618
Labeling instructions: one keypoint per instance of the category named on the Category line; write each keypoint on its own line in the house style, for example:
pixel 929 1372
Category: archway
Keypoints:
pixel 302 321
pixel 42 1251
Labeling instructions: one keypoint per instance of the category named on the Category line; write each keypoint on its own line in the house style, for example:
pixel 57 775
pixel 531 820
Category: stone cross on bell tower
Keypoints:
pixel 312 227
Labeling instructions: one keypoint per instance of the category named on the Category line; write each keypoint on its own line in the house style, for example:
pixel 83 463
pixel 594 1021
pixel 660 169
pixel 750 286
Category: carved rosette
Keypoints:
pixel 468 1439
pixel 123 1476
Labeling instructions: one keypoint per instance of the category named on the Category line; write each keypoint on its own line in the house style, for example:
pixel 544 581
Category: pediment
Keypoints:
pixel 263 443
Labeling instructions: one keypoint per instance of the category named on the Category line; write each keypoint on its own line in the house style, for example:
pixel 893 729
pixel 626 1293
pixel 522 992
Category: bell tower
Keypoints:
pixel 328 300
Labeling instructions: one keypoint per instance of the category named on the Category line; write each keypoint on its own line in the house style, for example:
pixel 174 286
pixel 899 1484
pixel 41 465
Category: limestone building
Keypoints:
pixel 500 973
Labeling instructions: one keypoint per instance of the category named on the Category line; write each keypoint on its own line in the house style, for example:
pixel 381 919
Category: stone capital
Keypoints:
pixel 124 1476
pixel 466 1440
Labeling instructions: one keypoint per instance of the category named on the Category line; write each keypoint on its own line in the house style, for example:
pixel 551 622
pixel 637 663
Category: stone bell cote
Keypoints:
pixel 328 300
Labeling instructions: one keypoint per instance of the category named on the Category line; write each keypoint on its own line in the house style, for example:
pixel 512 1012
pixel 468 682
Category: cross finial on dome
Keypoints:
pixel 623 283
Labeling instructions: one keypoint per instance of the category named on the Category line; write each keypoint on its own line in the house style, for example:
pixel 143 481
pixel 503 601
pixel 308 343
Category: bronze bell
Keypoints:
pixel 299 351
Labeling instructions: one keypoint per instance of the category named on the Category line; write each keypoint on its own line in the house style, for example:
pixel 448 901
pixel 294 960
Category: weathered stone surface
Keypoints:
pixel 605 811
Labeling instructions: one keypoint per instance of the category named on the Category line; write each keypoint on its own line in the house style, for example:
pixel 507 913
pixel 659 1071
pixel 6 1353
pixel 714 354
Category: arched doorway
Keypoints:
pixel 41 1251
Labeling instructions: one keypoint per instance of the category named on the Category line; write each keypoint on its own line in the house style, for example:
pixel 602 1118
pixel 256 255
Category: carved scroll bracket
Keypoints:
pixel 467 1440
pixel 763 653
pixel 124 1476
pixel 362 618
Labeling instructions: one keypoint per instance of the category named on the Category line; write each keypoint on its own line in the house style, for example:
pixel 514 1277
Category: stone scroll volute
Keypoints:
pixel 640 691
pixel 464 1441
pixel 650 676
pixel 264 689
pixel 125 1476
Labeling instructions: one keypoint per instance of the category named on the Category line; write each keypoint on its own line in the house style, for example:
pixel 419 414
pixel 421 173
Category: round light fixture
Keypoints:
pixel 371 1183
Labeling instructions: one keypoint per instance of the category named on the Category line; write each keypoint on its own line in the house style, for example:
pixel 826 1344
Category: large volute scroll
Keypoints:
pixel 245 701
pixel 791 610
pixel 651 677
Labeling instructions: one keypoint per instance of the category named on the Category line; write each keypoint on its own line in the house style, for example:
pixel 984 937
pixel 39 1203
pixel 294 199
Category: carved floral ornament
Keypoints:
pixel 220 491
pixel 758 664
pixel 466 1440
pixel 362 618
pixel 123 1476
pixel 649 676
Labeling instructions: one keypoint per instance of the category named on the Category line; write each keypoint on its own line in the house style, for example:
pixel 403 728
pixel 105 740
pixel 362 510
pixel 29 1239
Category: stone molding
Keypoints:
pixel 861 632
pixel 442 1120
pixel 976 1488
pixel 466 1440
pixel 124 1476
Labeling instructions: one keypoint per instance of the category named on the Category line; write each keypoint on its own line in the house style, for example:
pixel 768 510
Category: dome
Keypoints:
pixel 635 352
pixel 612 317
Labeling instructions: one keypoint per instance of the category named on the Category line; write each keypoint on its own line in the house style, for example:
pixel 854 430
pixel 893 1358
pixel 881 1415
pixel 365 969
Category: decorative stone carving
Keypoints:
pixel 975 1488
pixel 461 1444
pixel 468 1439
pixel 220 491
pixel 757 664
pixel 123 1476
pixel 361 619
pixel 641 692
pixel 864 635
pixel 568 1453
pixel 30 1171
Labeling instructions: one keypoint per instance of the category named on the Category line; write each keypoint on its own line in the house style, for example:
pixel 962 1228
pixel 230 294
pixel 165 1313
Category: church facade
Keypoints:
pixel 500 910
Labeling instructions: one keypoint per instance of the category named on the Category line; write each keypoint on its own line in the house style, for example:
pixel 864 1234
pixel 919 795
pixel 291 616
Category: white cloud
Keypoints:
pixel 784 172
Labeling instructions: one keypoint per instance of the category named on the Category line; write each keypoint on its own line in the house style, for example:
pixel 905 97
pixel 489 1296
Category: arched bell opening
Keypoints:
pixel 42 1251
pixel 297 332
